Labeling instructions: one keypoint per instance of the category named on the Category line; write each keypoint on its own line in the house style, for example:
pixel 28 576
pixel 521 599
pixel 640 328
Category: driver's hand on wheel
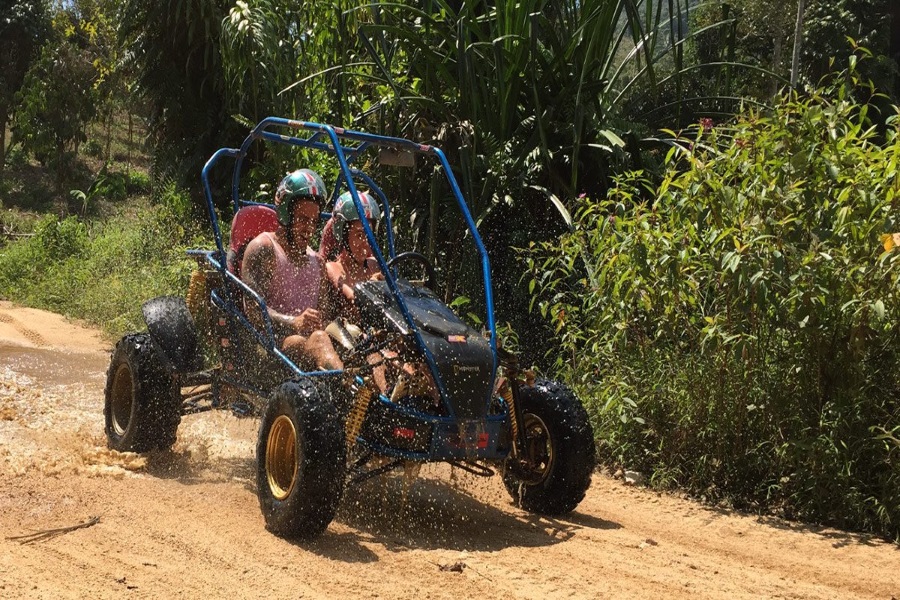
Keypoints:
pixel 307 321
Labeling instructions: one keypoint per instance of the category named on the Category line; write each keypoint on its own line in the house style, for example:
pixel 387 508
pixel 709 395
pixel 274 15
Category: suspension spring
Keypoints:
pixel 507 394
pixel 357 415
pixel 197 293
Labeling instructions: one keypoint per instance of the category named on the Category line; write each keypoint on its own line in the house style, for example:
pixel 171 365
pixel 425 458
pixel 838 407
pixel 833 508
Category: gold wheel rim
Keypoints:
pixel 122 399
pixel 281 457
pixel 538 449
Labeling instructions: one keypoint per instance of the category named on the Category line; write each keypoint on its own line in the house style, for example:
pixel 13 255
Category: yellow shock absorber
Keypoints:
pixel 197 293
pixel 507 394
pixel 357 415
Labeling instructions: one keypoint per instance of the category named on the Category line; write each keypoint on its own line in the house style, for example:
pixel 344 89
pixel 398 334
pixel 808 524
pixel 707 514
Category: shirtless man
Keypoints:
pixel 288 273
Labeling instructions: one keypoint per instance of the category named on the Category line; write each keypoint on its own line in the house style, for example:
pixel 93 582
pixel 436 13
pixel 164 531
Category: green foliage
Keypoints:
pixel 103 272
pixel 286 59
pixel 109 185
pixel 271 51
pixel 828 24
pixel 533 103
pixel 734 328
pixel 57 100
pixel 174 53
pixel 762 34
pixel 24 26
pixel 137 182
pixel 531 93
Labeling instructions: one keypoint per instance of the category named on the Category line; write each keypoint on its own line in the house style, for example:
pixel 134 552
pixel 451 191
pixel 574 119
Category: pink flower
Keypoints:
pixel 706 123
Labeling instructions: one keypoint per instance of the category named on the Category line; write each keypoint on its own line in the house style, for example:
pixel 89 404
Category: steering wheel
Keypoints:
pixel 419 258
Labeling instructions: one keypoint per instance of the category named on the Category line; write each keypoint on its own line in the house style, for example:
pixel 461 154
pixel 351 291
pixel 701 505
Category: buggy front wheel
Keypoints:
pixel 300 461
pixel 553 470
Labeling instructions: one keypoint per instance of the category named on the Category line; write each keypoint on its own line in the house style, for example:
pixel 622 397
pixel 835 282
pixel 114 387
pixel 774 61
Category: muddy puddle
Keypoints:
pixel 55 367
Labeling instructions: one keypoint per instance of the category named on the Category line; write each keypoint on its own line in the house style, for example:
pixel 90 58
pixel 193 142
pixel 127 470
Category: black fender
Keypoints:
pixel 174 334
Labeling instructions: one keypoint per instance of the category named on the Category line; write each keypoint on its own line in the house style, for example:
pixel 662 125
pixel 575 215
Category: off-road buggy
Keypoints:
pixel 321 431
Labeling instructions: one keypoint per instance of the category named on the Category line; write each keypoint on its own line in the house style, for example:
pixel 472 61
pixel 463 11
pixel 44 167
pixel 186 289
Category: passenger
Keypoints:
pixel 354 261
pixel 289 274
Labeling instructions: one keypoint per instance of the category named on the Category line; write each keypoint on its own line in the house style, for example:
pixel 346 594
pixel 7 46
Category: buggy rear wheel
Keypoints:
pixel 553 471
pixel 300 461
pixel 142 407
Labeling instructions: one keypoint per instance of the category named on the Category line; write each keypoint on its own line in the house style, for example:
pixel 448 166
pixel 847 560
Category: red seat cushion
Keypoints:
pixel 248 222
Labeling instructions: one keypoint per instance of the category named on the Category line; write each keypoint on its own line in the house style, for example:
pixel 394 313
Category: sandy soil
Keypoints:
pixel 186 523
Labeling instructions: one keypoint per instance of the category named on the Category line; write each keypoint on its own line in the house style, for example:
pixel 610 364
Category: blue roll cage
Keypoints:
pixel 346 145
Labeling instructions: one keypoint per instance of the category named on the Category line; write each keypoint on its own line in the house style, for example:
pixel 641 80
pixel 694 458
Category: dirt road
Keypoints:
pixel 186 523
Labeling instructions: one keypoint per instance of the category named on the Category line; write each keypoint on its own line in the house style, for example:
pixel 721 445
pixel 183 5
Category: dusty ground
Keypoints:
pixel 186 523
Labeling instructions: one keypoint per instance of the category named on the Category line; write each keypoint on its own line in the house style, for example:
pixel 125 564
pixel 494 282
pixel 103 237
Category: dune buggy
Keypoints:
pixel 471 405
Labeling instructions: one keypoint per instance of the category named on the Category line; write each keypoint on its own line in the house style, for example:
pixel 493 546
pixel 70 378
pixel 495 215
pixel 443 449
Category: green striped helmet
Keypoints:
pixel 301 184
pixel 345 211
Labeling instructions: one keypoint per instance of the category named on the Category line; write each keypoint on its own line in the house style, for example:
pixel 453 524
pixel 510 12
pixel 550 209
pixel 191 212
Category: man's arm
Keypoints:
pixel 336 275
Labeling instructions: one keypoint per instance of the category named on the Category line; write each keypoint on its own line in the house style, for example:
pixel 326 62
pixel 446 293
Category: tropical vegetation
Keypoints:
pixel 735 324
pixel 680 215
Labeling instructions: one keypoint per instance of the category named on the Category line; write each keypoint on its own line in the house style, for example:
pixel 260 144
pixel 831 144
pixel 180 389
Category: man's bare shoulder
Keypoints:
pixel 263 240
pixel 259 261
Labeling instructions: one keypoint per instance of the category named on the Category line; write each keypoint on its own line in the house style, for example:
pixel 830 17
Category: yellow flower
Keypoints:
pixel 890 240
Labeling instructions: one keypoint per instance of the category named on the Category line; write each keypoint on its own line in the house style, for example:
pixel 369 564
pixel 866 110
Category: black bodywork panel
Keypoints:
pixel 462 355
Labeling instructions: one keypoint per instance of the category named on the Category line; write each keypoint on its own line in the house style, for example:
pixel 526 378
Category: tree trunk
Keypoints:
pixel 798 34
pixel 2 140
pixel 895 42
pixel 776 61
pixel 60 153
pixel 130 141
pixel 109 135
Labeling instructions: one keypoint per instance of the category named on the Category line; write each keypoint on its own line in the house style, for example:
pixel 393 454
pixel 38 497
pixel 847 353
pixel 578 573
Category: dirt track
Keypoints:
pixel 186 523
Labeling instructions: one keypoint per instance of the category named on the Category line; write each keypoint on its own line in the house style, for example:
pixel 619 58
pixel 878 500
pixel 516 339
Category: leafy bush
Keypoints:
pixel 734 329
pixel 138 182
pixel 55 103
pixel 93 148
pixel 101 273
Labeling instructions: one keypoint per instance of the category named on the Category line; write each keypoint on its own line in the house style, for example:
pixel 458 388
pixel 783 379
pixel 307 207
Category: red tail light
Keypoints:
pixel 404 433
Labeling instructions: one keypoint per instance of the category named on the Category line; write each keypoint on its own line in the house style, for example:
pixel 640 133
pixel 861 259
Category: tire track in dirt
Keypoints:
pixel 31 335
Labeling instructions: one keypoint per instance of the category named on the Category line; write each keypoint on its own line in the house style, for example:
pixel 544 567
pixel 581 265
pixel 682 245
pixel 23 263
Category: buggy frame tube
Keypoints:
pixel 204 177
pixel 392 284
pixel 482 253
pixel 366 139
pixel 387 209
pixel 267 339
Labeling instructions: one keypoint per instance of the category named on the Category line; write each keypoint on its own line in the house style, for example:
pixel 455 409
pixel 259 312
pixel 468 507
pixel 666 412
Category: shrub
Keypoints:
pixel 93 148
pixel 734 328
pixel 138 182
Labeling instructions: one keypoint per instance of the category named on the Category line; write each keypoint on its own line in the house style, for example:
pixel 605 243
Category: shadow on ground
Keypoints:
pixel 436 514
pixel 440 516
pixel 838 537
